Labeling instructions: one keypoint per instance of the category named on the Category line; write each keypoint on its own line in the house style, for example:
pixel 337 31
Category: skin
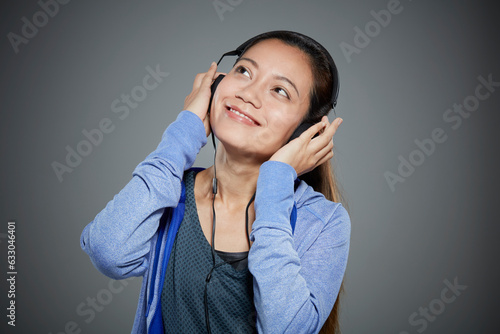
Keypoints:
pixel 254 85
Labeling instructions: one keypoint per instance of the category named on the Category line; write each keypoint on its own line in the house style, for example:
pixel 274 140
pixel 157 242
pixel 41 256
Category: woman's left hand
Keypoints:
pixel 305 153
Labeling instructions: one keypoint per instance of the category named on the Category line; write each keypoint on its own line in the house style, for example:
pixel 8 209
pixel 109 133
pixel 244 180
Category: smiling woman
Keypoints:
pixel 258 244
pixel 273 95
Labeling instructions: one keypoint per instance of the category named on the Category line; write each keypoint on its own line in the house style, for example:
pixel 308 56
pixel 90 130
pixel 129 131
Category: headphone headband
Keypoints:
pixel 333 68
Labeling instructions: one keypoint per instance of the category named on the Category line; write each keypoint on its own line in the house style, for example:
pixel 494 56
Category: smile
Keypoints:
pixel 238 116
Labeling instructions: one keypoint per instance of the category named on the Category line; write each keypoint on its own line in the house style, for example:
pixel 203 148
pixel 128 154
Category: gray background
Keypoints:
pixel 440 224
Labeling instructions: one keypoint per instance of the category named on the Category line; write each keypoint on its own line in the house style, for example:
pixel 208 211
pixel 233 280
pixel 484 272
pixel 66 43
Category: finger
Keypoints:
pixel 327 157
pixel 212 69
pixel 313 129
pixel 325 150
pixel 197 80
pixel 328 132
pixel 201 76
pixel 333 127
pixel 326 153
pixel 318 143
pixel 209 76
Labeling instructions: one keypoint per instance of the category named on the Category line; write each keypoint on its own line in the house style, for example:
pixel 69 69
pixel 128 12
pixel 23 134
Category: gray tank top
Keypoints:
pixel 230 294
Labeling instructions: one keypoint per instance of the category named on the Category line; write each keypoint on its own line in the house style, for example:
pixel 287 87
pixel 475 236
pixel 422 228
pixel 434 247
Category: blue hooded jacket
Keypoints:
pixel 300 239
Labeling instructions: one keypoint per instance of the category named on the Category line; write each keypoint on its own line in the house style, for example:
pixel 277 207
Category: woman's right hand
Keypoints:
pixel 199 98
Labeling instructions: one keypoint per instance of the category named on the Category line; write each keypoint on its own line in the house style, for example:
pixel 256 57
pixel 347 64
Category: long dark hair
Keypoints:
pixel 322 178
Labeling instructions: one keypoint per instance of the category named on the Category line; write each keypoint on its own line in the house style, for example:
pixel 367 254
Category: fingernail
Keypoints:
pixel 341 120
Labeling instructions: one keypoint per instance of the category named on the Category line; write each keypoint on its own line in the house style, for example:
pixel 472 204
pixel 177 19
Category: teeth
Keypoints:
pixel 240 114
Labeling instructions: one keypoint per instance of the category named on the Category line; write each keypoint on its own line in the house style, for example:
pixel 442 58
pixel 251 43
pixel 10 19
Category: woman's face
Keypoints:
pixel 271 85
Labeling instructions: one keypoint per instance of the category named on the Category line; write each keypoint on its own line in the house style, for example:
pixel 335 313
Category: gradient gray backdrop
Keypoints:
pixel 440 224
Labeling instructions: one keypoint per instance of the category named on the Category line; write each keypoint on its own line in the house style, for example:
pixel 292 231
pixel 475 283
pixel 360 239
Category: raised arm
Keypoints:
pixel 294 292
pixel 119 237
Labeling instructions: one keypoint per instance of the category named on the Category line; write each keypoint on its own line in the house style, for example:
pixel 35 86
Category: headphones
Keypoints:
pixel 239 51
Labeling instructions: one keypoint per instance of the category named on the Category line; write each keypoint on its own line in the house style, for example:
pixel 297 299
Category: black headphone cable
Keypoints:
pixel 209 276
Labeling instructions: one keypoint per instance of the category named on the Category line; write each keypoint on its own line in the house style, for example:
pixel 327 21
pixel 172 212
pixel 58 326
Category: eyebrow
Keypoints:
pixel 278 77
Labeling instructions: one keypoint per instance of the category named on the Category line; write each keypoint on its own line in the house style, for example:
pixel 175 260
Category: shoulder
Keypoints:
pixel 320 220
pixel 317 205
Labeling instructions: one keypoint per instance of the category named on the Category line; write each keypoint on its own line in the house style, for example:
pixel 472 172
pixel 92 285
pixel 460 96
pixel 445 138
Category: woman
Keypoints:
pixel 244 245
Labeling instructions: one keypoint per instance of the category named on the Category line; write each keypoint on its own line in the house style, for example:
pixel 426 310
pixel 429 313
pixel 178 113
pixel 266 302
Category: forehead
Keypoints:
pixel 282 59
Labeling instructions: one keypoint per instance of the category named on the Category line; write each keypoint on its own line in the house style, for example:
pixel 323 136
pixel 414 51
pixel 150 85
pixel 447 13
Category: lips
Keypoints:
pixel 237 111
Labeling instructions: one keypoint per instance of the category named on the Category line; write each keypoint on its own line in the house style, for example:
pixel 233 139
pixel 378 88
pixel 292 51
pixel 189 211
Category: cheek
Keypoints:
pixel 226 86
pixel 278 131
pixel 283 121
pixel 279 125
pixel 224 89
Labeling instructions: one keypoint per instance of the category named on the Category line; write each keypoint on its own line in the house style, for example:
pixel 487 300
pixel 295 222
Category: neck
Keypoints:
pixel 236 178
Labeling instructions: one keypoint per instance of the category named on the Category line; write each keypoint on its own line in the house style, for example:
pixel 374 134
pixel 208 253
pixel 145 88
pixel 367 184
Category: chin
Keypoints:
pixel 237 142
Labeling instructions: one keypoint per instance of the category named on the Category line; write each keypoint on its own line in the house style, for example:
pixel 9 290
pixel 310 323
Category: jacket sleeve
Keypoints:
pixel 294 294
pixel 118 240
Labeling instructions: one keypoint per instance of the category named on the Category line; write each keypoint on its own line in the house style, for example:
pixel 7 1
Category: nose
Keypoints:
pixel 250 94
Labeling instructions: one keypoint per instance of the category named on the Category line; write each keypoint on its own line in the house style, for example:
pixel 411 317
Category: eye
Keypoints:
pixel 282 92
pixel 243 70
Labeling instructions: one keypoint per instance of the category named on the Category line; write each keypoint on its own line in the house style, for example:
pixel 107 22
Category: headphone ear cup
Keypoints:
pixel 216 83
pixel 213 89
pixel 323 111
pixel 300 129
